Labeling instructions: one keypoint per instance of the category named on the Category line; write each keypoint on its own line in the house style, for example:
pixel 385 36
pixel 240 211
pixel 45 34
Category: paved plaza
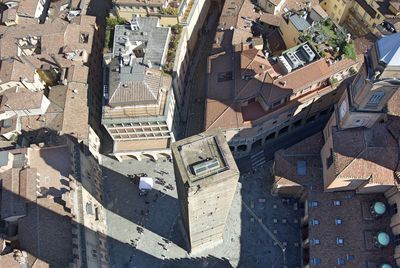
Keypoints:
pixel 144 231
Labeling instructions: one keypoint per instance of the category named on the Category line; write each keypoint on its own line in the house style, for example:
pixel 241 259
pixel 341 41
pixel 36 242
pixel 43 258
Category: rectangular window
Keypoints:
pixel 393 209
pixel 312 204
pixel 314 222
pixel 375 99
pixel 340 261
pixel 338 221
pixel 329 160
pixel 315 261
pixel 397 239
pixel 315 241
pixel 276 103
pixel 337 203
pixel 340 241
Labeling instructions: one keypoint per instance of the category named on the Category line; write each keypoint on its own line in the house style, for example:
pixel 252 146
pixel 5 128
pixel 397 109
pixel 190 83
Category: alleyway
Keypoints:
pixel 197 85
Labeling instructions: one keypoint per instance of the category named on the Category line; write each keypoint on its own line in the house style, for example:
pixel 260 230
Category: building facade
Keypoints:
pixel 355 171
pixel 206 176
pixel 362 16
pixel 270 100
pixel 162 9
pixel 362 106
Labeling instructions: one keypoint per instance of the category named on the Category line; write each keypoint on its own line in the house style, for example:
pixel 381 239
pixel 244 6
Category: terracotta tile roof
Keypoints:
pixel 54 116
pixel 12 203
pixel 78 73
pixel 225 98
pixel 21 101
pixel 68 111
pixel 27 183
pixel 140 2
pixel 270 19
pixel 357 224
pixel 318 70
pixel 298 4
pixel 76 111
pixel 36 231
pixel 15 70
pixel 286 161
pixel 12 260
pixel 395 4
pixel 393 104
pixel 52 37
pixel 368 154
pixel 9 14
pixel 27 7
pixel 275 2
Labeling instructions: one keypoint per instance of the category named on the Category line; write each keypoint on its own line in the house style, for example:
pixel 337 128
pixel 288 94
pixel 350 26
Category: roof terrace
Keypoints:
pixel 330 40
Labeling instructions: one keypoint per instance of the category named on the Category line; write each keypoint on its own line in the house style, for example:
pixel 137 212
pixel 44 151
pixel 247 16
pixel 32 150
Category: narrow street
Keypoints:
pixel 197 86
pixel 291 138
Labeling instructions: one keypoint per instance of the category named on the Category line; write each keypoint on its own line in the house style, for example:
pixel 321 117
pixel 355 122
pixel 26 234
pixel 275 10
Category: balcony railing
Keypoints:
pixel 186 11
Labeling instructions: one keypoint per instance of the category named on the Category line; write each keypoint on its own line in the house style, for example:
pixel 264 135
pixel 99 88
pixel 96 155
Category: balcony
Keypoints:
pixel 186 11
pixel 329 40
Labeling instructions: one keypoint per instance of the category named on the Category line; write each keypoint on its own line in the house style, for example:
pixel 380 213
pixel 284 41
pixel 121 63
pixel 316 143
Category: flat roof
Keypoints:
pixel 199 150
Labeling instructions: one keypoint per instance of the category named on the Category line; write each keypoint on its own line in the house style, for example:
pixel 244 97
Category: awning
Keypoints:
pixel 146 183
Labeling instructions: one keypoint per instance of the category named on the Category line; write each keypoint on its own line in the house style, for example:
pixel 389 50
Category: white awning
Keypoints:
pixel 146 183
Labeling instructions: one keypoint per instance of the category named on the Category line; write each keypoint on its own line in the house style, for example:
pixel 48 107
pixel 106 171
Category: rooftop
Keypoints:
pixel 15 69
pixel 139 52
pixel 359 153
pixel 12 101
pixel 298 22
pixel 239 77
pixel 329 39
pixel 28 8
pixel 341 225
pixel 388 48
pixel 204 158
pixel 47 176
pixel 53 37
pixel 140 2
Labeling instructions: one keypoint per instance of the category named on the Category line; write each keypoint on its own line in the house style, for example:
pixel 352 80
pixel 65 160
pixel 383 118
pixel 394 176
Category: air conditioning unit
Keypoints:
pixel 308 53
